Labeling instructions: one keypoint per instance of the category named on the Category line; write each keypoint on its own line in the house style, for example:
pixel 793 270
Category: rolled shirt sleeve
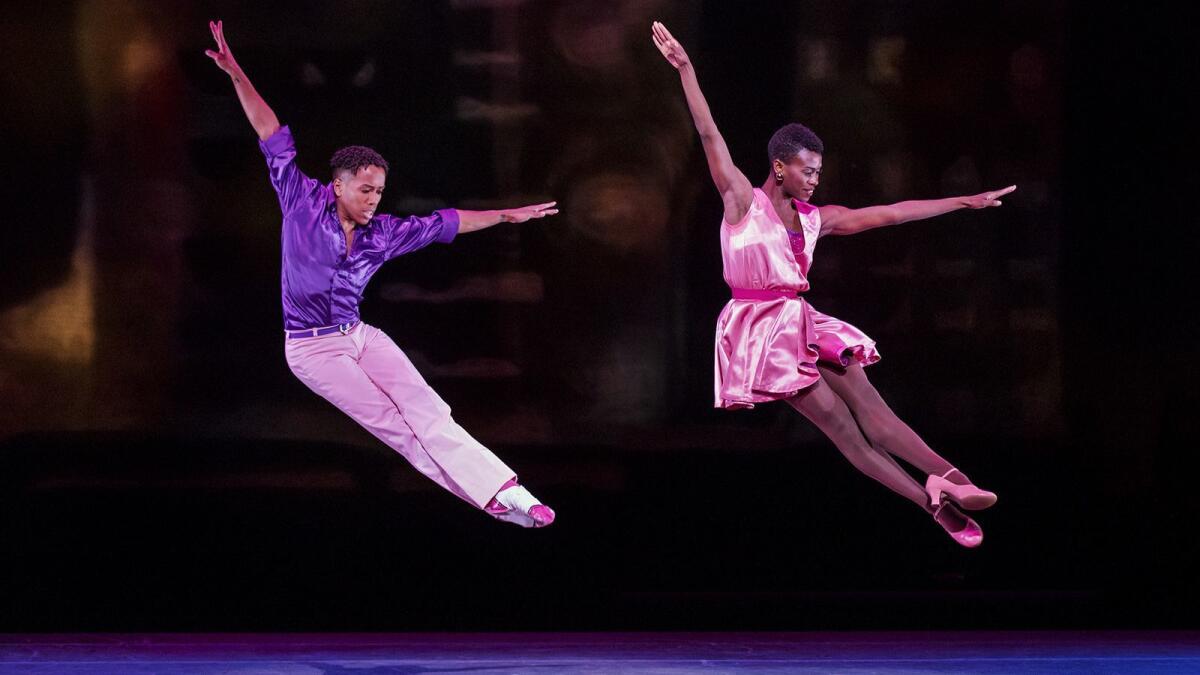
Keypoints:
pixel 416 232
pixel 293 187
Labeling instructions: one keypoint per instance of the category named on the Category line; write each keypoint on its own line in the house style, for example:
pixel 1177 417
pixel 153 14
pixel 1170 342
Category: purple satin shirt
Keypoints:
pixel 322 286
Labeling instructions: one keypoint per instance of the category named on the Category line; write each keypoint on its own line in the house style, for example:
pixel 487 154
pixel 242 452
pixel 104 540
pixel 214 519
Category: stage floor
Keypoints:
pixel 552 653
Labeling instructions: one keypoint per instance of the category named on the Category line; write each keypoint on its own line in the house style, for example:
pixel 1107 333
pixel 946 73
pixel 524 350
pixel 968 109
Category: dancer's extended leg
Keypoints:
pixel 886 432
pixel 826 409
pixel 367 376
pixel 879 424
pixel 830 414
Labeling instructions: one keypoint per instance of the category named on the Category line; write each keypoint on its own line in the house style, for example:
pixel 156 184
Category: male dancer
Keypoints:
pixel 333 242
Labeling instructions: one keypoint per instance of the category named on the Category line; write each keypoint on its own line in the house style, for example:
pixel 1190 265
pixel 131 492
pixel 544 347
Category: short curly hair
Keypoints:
pixel 790 139
pixel 354 157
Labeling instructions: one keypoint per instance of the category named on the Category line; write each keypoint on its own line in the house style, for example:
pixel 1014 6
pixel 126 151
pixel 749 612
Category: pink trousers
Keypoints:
pixel 367 377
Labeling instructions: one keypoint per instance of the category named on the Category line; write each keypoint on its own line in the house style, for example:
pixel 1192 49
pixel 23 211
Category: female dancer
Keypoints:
pixel 333 242
pixel 772 345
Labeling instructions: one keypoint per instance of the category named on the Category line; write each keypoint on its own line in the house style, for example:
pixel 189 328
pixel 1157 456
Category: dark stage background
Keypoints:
pixel 162 469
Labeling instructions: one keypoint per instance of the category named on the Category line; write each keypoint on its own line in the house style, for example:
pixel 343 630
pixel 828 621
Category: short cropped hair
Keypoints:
pixel 789 140
pixel 354 157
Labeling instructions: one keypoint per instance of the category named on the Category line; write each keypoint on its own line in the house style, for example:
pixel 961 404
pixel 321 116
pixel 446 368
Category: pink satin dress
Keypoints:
pixel 768 349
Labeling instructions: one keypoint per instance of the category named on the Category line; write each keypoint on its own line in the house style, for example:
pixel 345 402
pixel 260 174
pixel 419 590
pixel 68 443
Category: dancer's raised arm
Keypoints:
pixel 261 117
pixel 736 191
pixel 840 220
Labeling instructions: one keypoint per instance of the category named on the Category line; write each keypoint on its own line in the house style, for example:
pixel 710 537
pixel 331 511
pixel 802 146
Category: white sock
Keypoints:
pixel 518 498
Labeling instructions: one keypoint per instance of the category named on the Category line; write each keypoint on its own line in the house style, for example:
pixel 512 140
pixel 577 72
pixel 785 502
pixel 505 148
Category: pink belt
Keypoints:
pixel 762 294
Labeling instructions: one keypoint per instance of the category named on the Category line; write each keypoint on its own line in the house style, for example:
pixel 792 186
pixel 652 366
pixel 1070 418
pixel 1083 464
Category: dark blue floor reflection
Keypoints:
pixel 665 653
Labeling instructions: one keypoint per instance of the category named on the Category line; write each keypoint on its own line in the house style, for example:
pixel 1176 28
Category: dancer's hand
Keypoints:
pixel 524 213
pixel 222 57
pixel 671 50
pixel 985 199
pixel 260 115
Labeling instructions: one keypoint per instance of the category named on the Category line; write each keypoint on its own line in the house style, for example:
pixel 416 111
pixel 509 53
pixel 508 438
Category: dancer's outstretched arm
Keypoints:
pixel 261 117
pixel 470 221
pixel 841 220
pixel 736 191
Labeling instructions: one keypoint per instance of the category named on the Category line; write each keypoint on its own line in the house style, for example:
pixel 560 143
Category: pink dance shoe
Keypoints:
pixel 514 504
pixel 962 529
pixel 967 496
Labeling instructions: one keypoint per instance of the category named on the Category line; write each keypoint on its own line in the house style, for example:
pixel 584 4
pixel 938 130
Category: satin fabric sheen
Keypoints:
pixel 322 286
pixel 768 349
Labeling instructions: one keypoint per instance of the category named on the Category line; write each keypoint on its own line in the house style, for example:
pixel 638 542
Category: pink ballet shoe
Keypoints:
pixel 542 515
pixel 967 496
pixel 514 504
pixel 962 529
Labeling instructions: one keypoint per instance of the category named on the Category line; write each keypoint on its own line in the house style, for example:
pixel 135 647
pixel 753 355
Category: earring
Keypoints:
pixel 779 177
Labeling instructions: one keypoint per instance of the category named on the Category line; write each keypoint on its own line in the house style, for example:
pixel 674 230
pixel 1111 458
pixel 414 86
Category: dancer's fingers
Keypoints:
pixel 662 49
pixel 660 31
pixel 1006 190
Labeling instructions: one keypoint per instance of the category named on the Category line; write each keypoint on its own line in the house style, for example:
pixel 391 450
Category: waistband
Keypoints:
pixel 762 294
pixel 342 328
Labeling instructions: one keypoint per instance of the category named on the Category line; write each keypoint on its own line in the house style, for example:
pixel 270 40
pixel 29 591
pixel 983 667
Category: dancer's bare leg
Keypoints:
pixel 880 425
pixel 820 404
pixel 887 433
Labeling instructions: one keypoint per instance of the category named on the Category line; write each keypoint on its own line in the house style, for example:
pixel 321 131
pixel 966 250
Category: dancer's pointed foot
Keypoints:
pixel 542 515
pixel 962 529
pixel 514 504
pixel 956 486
